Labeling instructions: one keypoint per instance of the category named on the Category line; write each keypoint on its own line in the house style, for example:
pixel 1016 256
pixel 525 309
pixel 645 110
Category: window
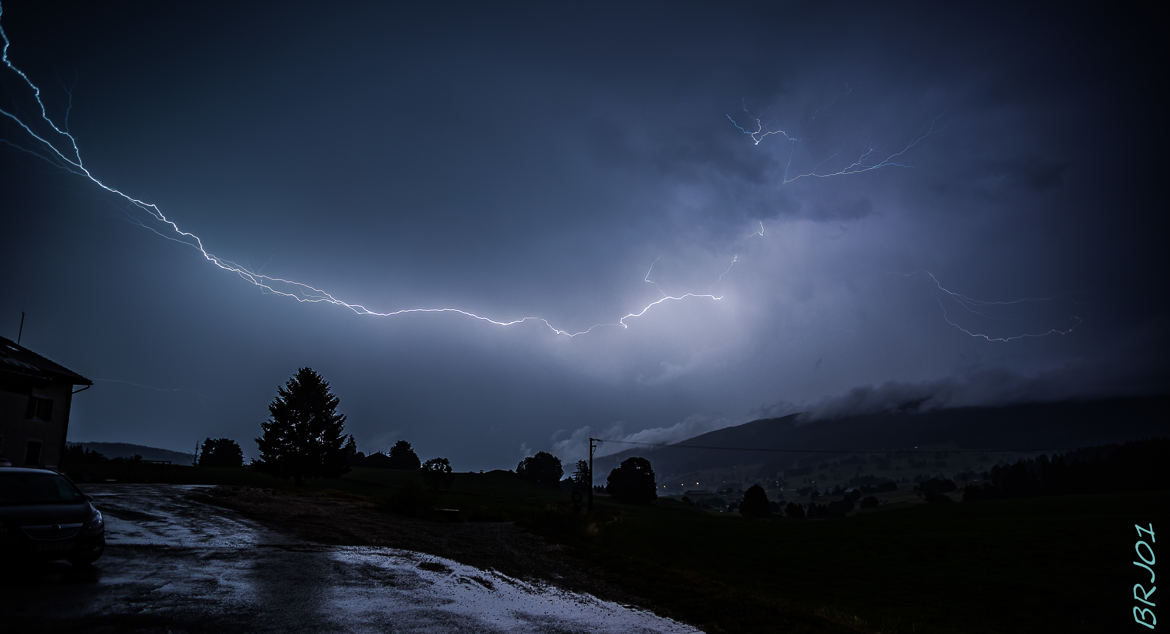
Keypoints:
pixel 39 408
pixel 32 455
pixel 37 488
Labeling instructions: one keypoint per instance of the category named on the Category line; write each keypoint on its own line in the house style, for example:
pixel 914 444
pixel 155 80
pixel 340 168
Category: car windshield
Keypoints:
pixel 37 488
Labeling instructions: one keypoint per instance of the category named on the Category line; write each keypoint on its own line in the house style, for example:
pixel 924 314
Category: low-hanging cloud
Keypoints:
pixel 978 388
pixel 573 446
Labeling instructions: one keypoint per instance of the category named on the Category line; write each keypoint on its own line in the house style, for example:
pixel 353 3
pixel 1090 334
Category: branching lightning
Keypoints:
pixel 867 161
pixel 735 258
pixel 979 307
pixel 59 147
pixel 760 133
pixel 54 143
pixel 871 160
pixel 734 261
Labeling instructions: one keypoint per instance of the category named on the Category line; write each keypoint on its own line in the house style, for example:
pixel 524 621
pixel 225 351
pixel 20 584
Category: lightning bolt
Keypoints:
pixel 979 306
pixel 871 160
pixel 58 147
pixel 735 258
pixel 646 277
pixel 867 161
pixel 759 134
pixel 734 261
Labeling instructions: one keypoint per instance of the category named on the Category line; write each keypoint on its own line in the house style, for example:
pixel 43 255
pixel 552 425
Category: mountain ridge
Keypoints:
pixel 771 445
pixel 129 450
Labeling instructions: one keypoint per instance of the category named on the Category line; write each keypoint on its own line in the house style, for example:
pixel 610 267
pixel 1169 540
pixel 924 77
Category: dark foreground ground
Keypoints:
pixel 175 563
pixel 1046 564
pixel 1042 564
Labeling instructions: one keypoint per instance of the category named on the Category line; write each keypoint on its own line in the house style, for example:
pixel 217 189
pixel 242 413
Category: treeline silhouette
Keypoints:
pixel 1134 466
pixel 78 454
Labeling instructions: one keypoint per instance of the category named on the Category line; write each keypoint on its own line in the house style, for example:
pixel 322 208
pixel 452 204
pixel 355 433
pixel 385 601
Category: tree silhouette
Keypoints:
pixel 303 436
pixel 935 486
pixel 543 468
pixel 1134 466
pixel 402 457
pixel 221 452
pixel 582 477
pixel 353 457
pixel 632 481
pixel 76 454
pixel 437 472
pixel 755 502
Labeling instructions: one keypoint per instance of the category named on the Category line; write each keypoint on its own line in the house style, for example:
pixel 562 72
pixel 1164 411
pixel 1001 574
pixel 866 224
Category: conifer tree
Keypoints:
pixel 304 436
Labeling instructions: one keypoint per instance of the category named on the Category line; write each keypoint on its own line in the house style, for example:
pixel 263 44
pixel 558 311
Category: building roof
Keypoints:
pixel 16 359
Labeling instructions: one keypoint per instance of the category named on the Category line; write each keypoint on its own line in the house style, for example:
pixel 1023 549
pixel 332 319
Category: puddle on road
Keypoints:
pixel 490 599
pixel 181 555
pixel 160 515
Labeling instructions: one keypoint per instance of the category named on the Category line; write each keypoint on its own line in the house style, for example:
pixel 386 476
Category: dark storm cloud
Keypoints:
pixel 1001 180
pixel 515 162
pixel 851 210
pixel 982 387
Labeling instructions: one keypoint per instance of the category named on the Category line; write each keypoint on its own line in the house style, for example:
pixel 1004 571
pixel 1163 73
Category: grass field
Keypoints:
pixel 1029 565
pixel 1053 564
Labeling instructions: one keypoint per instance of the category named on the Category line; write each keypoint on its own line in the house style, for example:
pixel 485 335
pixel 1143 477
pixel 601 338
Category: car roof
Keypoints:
pixel 26 470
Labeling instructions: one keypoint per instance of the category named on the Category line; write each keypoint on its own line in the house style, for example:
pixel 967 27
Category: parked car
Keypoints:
pixel 45 516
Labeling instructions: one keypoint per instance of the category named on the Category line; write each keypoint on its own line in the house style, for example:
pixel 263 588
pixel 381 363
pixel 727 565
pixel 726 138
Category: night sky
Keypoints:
pixel 546 160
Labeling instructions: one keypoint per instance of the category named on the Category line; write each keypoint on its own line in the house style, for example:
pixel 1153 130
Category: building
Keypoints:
pixel 35 395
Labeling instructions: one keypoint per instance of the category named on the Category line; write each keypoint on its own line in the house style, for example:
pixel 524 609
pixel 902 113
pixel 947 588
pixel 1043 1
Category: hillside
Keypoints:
pixel 767 447
pixel 129 450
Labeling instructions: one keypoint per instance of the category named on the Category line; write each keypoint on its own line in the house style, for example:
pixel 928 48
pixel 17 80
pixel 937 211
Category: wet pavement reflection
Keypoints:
pixel 174 563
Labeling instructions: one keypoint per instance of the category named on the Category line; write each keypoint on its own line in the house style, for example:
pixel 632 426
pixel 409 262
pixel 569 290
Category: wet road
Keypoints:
pixel 175 564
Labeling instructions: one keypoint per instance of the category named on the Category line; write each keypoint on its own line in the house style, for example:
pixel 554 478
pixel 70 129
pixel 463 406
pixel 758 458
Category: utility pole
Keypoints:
pixel 592 446
pixel 21 331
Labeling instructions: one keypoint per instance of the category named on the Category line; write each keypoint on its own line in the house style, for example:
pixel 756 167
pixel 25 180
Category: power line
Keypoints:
pixel 915 450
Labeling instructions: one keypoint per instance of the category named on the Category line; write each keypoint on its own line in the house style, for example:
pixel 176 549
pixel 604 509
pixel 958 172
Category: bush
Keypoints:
pixel 376 460
pixel 437 472
pixel 402 457
pixel 935 487
pixel 221 452
pixel 632 482
pixel 755 502
pixel 543 468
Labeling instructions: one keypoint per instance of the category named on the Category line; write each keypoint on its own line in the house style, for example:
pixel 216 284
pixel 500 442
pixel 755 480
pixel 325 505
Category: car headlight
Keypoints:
pixel 95 523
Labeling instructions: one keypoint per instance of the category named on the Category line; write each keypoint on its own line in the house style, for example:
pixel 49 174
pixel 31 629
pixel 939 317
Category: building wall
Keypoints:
pixel 18 430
